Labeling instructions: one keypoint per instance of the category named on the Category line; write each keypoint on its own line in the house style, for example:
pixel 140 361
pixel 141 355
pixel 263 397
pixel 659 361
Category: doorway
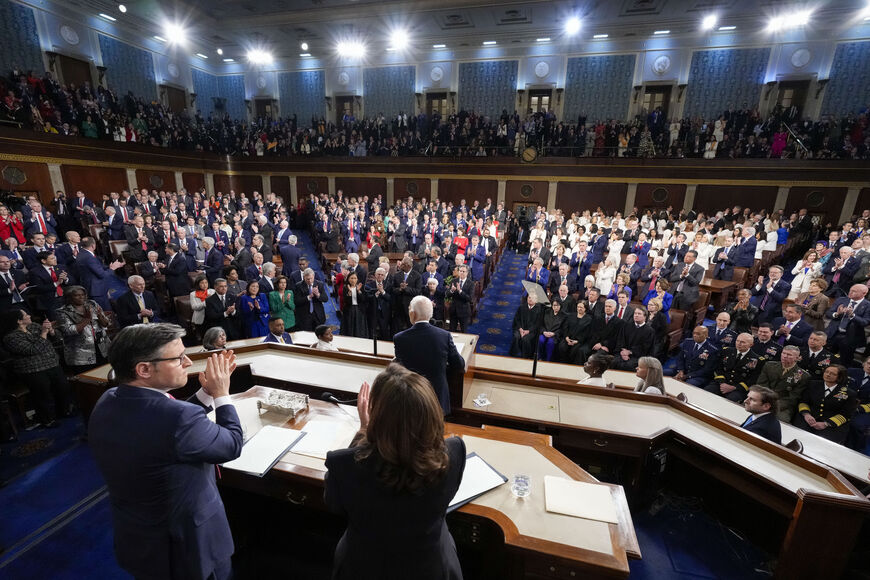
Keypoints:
pixel 792 98
pixel 656 96
pixel 263 108
pixel 539 100
pixel 343 106
pixel 175 99
pixel 75 71
pixel 437 103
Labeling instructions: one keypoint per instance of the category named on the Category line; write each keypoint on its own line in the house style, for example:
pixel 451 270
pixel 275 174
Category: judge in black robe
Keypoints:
pixel 526 327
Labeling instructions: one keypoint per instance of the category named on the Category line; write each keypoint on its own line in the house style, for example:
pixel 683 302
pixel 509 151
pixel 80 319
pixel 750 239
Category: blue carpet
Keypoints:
pixel 37 445
pixel 495 312
pixel 303 240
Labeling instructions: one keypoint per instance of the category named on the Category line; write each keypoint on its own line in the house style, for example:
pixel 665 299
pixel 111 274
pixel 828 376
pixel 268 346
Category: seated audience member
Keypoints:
pixel 697 359
pixel 138 305
pixel 214 338
pixel 764 345
pixel 255 311
pixel 742 312
pixel 787 379
pixel 36 364
pixel 198 297
pixel 276 332
pixel 827 406
pixel 576 336
pixel 859 439
pixel 768 294
pixel 235 285
pixel 594 303
pixel 736 370
pixel 763 404
pixel 538 274
pixel 815 303
pixel 595 367
pixel 721 335
pixel 550 331
pixel 408 484
pixel 792 328
pixel 661 293
pixel 850 315
pixel 562 278
pixel 635 341
pixel 82 324
pixel 649 370
pixel 815 358
pixel 607 329
pixel 526 327
pixel 621 285
pixel 281 303
pixel 324 338
pixel 565 300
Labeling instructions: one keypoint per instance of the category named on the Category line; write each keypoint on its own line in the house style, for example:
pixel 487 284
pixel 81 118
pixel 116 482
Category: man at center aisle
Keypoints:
pixel 428 350
pixel 310 296
pixel 406 285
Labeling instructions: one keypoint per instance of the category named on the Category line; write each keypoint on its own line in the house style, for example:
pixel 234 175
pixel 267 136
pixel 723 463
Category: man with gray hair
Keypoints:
pixel 746 246
pixel 138 306
pixel 787 379
pixel 214 260
pixel 429 351
pixel 380 298
pixel 290 255
pixel 267 280
pixel 310 295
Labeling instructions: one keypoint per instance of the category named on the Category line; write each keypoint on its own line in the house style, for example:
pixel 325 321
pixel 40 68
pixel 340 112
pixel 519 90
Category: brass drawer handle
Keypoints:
pixel 300 501
pixel 599 442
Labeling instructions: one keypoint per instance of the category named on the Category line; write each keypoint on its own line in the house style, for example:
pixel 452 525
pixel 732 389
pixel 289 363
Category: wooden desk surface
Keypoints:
pixel 526 523
pixel 717 285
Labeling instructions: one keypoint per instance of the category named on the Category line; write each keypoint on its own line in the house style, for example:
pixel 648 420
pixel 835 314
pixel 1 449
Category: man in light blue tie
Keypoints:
pixel 763 403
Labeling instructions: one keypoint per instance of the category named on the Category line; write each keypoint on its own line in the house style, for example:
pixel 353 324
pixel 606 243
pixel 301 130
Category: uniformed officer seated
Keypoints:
pixel 737 370
pixel 827 406
pixel 815 357
pixel 697 359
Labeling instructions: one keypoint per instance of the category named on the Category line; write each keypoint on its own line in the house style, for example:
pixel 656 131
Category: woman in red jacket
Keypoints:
pixel 11 226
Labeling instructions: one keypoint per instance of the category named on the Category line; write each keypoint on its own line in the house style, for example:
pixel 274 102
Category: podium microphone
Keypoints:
pixel 330 398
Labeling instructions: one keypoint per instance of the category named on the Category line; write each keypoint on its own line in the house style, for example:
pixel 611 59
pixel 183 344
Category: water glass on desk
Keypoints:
pixel 521 486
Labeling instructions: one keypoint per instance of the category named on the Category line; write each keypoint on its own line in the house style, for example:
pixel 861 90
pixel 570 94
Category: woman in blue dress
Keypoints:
pixel 255 311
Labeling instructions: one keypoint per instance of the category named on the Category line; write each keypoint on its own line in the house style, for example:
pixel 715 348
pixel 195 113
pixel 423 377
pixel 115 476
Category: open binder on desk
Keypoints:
pixel 262 451
pixel 478 478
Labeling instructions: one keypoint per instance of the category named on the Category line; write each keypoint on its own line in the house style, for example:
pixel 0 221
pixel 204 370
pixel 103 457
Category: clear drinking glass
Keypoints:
pixel 521 486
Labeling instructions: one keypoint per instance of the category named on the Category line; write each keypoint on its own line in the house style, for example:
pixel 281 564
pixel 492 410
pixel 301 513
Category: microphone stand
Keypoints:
pixel 535 358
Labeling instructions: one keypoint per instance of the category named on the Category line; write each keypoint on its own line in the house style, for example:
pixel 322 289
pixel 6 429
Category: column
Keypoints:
pixel 502 187
pixel 209 183
pixel 331 181
pixel 57 179
pixel 179 181
pixel 131 180
pixel 630 196
pixel 294 194
pixel 781 198
pixel 689 200
pixel 267 184
pixel 433 189
pixel 551 195
pixel 391 192
pixel 849 204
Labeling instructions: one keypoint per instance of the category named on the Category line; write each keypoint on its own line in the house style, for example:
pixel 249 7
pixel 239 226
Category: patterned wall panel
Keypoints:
pixel 205 86
pixel 128 68
pixel 849 82
pixel 232 88
pixel 19 39
pixel 302 93
pixel 229 88
pixel 598 87
pixel 389 90
pixel 718 78
pixel 488 87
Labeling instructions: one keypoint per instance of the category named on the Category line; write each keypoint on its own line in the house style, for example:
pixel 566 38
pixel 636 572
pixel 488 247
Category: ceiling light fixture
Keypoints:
pixel 572 25
pixel 489 43
pixel 545 39
pixel 439 46
pixel 122 9
pixel 726 28
pixel 304 46
pixel 709 22
pixel 791 20
pixel 662 32
pixel 599 36
pixel 176 34
pixel 259 56
pixel 107 17
pixel 304 54
pixel 201 55
pixel 160 38
pixel 351 49
pixel 229 60
pixel 399 39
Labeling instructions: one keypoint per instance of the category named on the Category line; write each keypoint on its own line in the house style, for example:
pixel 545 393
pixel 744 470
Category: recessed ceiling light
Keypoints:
pixel 660 32
pixel 107 17
pixel 572 26
pixel 229 60
pixel 724 28
pixel 351 49
pixel 489 42
pixel 400 39
pixel 160 38
pixel 305 54
pixel 709 22
pixel 439 46
pixel 258 56
pixel 304 46
pixel 176 34
pixel 122 9
pixel 201 55
pixel 791 20
pixel 220 51
pixel 600 35
pixel 391 49
pixel 545 39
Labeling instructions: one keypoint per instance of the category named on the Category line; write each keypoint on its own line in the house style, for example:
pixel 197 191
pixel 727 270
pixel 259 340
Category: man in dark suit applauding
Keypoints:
pixel 792 328
pixel 310 296
pixel 220 310
pixel 428 350
pixel 850 315
pixel 763 403
pixel 461 293
pixel 157 456
pixel 138 306
pixel 685 278
pixel 769 293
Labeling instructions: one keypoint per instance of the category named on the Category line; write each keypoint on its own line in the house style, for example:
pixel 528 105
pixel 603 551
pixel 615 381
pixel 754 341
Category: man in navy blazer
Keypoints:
pixel 44 286
pixel 746 249
pixel 849 315
pixel 39 221
pixel 214 260
pixel 724 260
pixel 428 350
pixel 157 455
pixel 276 332
pixel 93 274
pixel 792 328
pixel 290 255
pixel 763 403
pixel 769 293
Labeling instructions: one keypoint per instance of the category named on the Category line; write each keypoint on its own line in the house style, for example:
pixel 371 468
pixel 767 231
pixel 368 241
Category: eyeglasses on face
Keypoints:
pixel 180 359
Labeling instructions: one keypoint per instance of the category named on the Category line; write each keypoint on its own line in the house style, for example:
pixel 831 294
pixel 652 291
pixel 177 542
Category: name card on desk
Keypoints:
pixel 478 478
pixel 264 450
pixel 590 501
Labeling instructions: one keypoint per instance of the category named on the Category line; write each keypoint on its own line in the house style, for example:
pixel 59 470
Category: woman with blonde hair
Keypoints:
pixel 604 275
pixel 649 370
pixel 805 271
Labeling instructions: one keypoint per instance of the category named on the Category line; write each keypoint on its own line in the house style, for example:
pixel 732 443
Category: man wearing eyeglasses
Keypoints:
pixel 157 455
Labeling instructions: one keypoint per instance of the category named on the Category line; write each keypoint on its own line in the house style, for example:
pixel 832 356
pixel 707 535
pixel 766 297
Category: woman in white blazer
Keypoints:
pixel 200 294
pixel 805 271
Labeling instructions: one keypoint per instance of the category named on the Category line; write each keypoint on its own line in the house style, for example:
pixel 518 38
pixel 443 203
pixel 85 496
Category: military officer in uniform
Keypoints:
pixel 697 360
pixel 721 336
pixel 787 379
pixel 737 370
pixel 815 358
pixel 826 406
pixel 765 347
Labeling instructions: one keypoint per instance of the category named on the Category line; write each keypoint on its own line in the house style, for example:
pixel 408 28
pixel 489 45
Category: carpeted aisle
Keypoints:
pixel 500 301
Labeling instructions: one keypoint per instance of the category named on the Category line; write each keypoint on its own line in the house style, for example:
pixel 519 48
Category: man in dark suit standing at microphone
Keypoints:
pixel 157 456
pixel 428 350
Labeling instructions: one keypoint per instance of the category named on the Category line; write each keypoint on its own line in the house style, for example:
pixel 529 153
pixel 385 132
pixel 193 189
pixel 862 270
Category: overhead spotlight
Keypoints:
pixel 600 36
pixel 259 56
pixel 304 46
pixel 727 28
pixel 791 20
pixel 572 26
pixel 399 39
pixel 107 17
pixel 661 32
pixel 176 34
pixel 709 22
pixel 351 49
pixel 122 9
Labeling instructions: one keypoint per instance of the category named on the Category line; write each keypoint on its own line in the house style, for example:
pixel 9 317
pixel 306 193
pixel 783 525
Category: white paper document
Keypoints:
pixel 264 449
pixel 322 436
pixel 477 478
pixel 591 501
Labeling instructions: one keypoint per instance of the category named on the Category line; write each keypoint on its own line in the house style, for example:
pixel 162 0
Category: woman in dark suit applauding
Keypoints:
pixel 394 484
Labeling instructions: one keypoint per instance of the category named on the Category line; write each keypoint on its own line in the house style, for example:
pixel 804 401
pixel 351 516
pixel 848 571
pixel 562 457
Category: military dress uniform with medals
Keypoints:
pixel 736 370
pixel 789 385
pixel 834 408
pixel 768 351
pixel 816 365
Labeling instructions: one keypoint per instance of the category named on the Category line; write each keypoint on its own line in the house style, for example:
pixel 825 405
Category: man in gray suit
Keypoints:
pixel 685 278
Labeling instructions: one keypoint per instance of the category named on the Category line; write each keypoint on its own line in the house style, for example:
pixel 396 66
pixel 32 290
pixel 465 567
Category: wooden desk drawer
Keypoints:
pixel 552 568
pixel 601 441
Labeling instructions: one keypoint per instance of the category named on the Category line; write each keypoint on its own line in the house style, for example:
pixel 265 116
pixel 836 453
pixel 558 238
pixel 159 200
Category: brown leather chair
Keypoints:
pixel 699 308
pixel 184 311
pixel 676 328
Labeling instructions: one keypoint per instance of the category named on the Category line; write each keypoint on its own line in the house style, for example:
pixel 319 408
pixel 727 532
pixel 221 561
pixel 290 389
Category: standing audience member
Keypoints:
pixel 281 303
pixel 255 311
pixel 83 326
pixel 198 298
